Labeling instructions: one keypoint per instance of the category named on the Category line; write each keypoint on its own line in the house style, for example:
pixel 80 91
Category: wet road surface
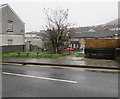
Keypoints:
pixel 32 81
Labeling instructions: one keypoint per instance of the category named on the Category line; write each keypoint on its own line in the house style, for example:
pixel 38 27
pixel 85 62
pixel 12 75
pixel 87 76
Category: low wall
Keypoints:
pixel 35 48
pixel 19 48
pixel 12 48
pixel 117 55
pixel 101 53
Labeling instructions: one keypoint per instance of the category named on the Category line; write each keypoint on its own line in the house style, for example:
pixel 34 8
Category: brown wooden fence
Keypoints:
pixel 102 43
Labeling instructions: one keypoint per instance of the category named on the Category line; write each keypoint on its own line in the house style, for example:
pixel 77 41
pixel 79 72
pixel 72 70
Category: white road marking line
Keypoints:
pixel 22 75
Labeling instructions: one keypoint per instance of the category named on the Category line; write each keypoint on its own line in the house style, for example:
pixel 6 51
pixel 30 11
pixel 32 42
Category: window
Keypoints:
pixel 10 26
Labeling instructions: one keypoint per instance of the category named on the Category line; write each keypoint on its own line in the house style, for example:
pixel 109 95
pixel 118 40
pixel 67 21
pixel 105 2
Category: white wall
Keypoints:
pixel 82 42
pixel 17 39
pixel 37 42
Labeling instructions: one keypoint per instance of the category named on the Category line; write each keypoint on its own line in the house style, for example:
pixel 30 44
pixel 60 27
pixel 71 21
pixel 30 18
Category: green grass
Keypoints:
pixel 0 55
pixel 32 55
pixel 80 55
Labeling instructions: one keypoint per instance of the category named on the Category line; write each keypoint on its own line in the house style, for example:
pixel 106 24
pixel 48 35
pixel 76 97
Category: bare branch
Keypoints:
pixel 57 28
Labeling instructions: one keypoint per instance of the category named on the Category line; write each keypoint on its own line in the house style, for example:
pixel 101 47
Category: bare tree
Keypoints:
pixel 57 28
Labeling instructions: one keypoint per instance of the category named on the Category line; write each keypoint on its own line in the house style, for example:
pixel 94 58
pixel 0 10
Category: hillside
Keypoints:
pixel 113 22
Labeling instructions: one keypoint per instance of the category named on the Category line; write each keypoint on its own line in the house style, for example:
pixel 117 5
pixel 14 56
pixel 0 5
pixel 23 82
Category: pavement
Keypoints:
pixel 48 81
pixel 67 60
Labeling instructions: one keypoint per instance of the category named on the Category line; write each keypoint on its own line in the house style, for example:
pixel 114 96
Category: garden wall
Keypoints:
pixel 12 48
pixel 35 48
pixel 100 53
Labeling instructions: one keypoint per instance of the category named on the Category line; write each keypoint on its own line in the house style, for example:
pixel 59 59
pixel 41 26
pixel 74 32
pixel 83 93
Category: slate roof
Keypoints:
pixel 98 34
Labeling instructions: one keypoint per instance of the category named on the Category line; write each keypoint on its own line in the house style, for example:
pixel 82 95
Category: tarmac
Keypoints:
pixel 70 60
pixel 48 81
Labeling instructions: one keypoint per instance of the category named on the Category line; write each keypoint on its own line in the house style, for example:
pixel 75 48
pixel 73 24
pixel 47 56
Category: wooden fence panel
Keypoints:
pixel 102 43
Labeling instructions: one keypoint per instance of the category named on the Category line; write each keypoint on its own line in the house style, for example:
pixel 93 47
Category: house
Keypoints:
pixel 98 44
pixel 78 40
pixel 12 30
pixel 33 41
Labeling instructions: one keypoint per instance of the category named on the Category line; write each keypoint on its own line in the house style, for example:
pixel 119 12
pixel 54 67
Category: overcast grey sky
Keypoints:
pixel 84 13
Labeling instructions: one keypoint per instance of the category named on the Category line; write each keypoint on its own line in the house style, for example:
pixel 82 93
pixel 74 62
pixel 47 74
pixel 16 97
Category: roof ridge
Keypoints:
pixel 7 5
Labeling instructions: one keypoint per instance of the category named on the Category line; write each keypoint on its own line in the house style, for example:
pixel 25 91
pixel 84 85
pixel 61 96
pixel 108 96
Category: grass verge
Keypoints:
pixel 80 55
pixel 32 55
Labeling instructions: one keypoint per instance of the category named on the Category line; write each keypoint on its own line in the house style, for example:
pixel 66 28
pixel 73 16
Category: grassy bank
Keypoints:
pixel 32 55
pixel 80 55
